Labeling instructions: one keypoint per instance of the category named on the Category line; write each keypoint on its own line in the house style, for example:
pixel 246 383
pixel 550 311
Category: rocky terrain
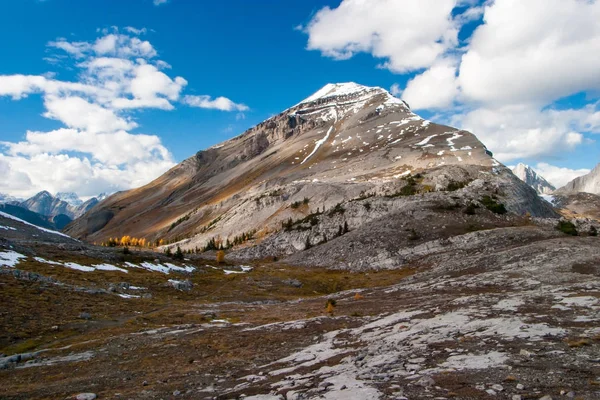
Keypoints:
pixel 530 177
pixel 589 183
pixel 577 205
pixel 329 153
pixel 52 212
pixel 509 310
pixel 343 249
pixel 68 204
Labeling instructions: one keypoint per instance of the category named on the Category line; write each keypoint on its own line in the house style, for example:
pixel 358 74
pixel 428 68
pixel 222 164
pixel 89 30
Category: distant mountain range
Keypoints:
pixel 530 177
pixel 48 211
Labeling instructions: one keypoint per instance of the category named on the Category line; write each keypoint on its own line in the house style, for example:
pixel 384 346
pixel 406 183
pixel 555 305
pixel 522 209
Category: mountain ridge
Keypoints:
pixel 533 179
pixel 589 183
pixel 328 149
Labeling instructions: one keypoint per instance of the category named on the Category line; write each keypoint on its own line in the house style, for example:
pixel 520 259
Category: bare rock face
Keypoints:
pixel 577 205
pixel 530 177
pixel 589 183
pixel 345 142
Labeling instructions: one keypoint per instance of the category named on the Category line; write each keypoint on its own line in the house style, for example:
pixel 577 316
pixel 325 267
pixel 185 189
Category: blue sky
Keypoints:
pixel 463 62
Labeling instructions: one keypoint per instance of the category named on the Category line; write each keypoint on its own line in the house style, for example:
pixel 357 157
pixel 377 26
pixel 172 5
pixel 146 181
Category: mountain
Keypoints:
pixel 27 215
pixel 70 198
pixel 6 198
pixel 45 204
pixel 589 183
pixel 66 204
pixel 530 177
pixel 347 155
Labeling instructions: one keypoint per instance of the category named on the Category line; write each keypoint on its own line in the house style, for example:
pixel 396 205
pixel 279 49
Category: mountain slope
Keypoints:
pixel 70 198
pixel 64 204
pixel 530 177
pixel 344 141
pixel 589 183
pixel 27 216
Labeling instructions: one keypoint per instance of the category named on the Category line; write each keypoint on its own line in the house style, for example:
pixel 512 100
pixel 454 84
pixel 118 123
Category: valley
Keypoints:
pixel 345 248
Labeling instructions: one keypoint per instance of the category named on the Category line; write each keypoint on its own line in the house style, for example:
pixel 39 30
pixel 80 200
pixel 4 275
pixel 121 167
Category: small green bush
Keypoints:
pixel 455 185
pixel 593 231
pixel 338 209
pixel 470 209
pixel 567 227
pixel 493 205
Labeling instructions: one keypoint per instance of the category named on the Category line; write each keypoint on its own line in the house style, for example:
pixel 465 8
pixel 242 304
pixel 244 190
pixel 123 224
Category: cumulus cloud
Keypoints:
pixel 407 35
pixel 533 51
pixel 523 131
pixel 524 56
pixel 559 176
pixel 94 151
pixel 435 88
pixel 220 103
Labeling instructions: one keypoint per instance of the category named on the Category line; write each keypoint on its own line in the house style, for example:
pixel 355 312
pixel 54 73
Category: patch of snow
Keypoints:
pixel 318 144
pixel 425 141
pixel 8 228
pixel 548 197
pixel 42 260
pixel 78 267
pixel 402 174
pixel 128 296
pixel 109 267
pixel 10 258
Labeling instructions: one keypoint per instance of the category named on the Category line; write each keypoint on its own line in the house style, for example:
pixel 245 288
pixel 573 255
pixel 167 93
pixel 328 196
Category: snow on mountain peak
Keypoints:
pixel 339 89
pixel 70 198
pixel 530 177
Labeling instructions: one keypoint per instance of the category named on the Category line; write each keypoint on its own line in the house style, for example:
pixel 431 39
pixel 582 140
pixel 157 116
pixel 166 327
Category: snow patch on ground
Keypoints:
pixel 10 258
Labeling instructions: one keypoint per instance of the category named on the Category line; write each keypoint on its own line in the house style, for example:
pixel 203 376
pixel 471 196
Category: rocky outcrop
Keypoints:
pixel 589 183
pixel 530 177
pixel 65 204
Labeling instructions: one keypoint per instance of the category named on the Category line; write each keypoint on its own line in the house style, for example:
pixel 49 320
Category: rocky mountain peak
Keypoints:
pixel 70 198
pixel 589 183
pixel 529 176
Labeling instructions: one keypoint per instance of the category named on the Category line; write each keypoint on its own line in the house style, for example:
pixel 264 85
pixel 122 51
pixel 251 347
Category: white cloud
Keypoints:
pixel 94 152
pixel 523 57
pixel 61 172
pixel 76 112
pixel 220 103
pixel 136 31
pixel 558 176
pixel 396 90
pixel 523 131
pixel 408 34
pixel 435 88
pixel 533 51
pixel 159 2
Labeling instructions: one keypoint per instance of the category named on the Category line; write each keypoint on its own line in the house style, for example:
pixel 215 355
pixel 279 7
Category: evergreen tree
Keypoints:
pixel 346 230
pixel 178 254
